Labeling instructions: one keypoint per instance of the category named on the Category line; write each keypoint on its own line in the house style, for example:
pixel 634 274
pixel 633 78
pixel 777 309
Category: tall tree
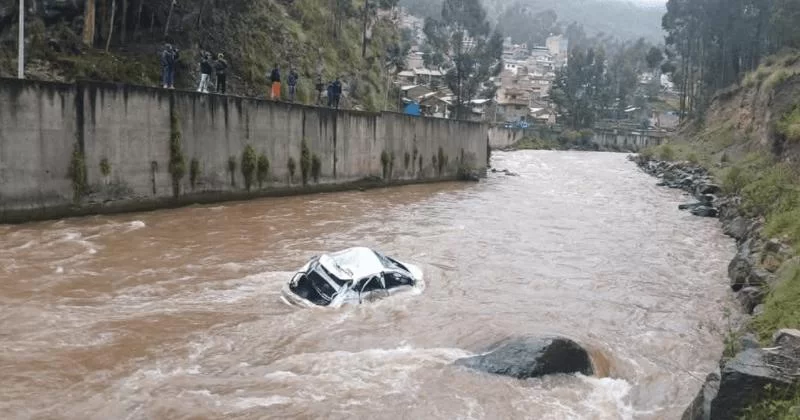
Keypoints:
pixel 89 23
pixel 472 51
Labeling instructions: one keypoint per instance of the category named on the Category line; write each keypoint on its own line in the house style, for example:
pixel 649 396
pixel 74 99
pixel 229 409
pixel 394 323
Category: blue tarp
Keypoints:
pixel 412 109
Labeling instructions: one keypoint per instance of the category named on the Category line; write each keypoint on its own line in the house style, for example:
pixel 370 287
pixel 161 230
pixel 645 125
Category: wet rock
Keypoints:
pixel 707 198
pixel 750 297
pixel 700 409
pixel 742 382
pixel 469 175
pixel 704 211
pixel 509 173
pixel 749 341
pixel 708 189
pixel 740 266
pixel 531 357
pixel 737 228
pixel 787 338
pixel 689 206
pixel 773 245
pixel 758 310
pixel 759 277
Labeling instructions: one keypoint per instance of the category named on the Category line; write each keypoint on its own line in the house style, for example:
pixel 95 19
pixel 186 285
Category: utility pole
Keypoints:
pixel 21 54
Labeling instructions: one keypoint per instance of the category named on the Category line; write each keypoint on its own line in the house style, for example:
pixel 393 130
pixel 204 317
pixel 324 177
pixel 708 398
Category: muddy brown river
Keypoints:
pixel 177 314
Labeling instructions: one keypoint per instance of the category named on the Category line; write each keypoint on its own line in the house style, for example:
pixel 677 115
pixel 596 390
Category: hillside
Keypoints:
pixel 749 140
pixel 253 35
pixel 620 18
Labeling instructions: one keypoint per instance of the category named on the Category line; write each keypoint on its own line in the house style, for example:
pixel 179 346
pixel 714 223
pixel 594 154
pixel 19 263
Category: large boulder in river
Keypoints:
pixel 531 357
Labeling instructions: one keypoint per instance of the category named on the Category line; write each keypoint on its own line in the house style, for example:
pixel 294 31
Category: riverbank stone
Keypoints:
pixel 532 357
pixel 700 408
pixel 704 211
pixel 743 382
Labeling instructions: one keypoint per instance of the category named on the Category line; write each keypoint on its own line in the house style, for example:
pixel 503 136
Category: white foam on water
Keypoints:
pixel 136 224
pixel 251 402
pixel 609 395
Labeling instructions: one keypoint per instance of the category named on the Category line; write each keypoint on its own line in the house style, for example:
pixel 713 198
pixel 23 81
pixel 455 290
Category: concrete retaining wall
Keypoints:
pixel 130 127
pixel 627 140
pixel 504 137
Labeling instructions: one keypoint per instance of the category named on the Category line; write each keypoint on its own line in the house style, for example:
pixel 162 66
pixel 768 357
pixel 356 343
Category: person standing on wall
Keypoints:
pixel 275 78
pixel 168 58
pixel 221 67
pixel 337 92
pixel 205 72
pixel 292 83
pixel 320 88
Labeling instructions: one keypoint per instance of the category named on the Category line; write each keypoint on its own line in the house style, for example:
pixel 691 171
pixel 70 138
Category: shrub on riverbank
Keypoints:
pixel 781 309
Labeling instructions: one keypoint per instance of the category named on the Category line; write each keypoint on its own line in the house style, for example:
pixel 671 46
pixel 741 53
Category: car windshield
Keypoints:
pixel 386 262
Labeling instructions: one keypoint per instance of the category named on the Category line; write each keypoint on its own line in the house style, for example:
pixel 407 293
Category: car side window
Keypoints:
pixel 397 279
pixel 369 284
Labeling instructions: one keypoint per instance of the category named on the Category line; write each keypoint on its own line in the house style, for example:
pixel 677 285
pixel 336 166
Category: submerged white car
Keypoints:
pixel 354 275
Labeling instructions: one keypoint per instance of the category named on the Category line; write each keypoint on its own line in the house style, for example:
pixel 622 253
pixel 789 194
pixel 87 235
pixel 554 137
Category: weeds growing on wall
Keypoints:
pixel 292 166
pixel 262 170
pixel 194 172
pixel 249 163
pixel 177 163
pixel 316 167
pixel 391 165
pixel 105 167
pixel 385 164
pixel 232 170
pixel 406 161
pixel 442 161
pixel 305 162
pixel 77 173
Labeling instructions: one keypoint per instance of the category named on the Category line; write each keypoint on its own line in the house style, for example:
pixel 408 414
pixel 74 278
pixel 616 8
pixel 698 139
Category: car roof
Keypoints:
pixel 354 263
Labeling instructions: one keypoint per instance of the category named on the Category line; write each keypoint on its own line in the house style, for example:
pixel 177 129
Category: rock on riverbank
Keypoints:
pixel 742 379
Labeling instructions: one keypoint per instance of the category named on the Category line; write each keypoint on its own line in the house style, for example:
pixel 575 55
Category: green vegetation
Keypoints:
pixel 232 170
pixel 309 35
pixel 77 173
pixel 789 125
pixel 194 172
pixel 537 143
pixel 177 163
pixel 665 152
pixel 733 53
pixel 474 66
pixel 780 404
pixel 305 161
pixel 263 170
pixel 105 167
pixel 292 167
pixel 249 163
pixel 316 167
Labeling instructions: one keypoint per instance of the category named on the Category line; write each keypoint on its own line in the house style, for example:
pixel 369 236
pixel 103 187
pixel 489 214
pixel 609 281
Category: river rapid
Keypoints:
pixel 176 314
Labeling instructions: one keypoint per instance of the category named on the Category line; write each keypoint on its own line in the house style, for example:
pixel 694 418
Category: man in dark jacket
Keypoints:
pixel 337 92
pixel 168 59
pixel 205 72
pixel 275 79
pixel 221 66
pixel 292 83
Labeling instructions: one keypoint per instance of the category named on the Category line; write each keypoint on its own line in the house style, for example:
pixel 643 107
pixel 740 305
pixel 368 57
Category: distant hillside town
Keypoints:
pixel 522 89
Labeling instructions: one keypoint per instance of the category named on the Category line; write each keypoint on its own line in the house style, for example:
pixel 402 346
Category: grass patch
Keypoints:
pixel 537 143
pixel 781 309
pixel 773 190
pixel 789 125
pixel 779 405
pixel 665 152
